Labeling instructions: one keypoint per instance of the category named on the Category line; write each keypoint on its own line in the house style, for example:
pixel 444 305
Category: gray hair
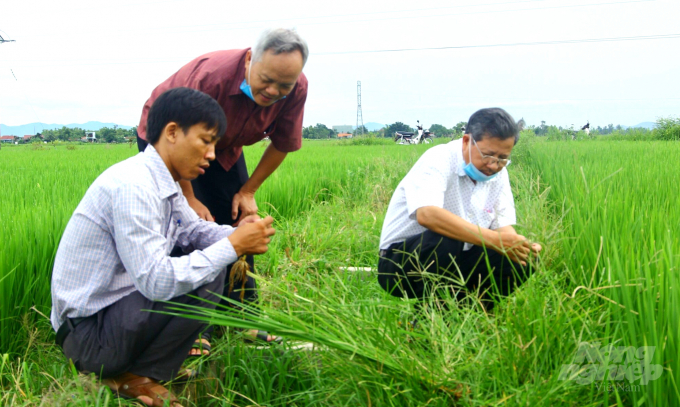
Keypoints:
pixel 279 40
pixel 493 122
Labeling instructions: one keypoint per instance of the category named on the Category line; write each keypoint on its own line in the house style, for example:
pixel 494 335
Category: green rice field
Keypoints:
pixel 605 292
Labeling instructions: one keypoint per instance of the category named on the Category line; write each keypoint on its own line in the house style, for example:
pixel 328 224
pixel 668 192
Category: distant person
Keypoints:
pixel 113 261
pixel 262 92
pixel 456 205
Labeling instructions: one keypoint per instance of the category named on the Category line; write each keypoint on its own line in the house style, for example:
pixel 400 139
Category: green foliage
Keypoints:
pixel 441 131
pixel 63 134
pixel 369 139
pixel 394 127
pixel 361 131
pixel 38 200
pixel 458 129
pixel 621 251
pixel 668 128
pixel 607 275
pixel 320 131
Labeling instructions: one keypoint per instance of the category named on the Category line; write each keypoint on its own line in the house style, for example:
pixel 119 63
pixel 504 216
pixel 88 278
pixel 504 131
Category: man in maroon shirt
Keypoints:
pixel 263 93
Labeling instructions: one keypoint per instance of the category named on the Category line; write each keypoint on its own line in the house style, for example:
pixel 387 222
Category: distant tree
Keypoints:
pixel 440 130
pixel 63 134
pixel 120 135
pixel 359 131
pixel 76 134
pixel 394 127
pixel 106 134
pixel 49 135
pixel 320 131
pixel 458 128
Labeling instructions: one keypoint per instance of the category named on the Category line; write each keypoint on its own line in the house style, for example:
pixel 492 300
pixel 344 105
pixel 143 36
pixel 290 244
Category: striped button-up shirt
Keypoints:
pixel 121 234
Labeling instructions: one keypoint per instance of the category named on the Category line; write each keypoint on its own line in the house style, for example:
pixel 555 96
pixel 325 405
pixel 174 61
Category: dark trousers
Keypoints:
pixel 123 338
pixel 216 189
pixel 400 269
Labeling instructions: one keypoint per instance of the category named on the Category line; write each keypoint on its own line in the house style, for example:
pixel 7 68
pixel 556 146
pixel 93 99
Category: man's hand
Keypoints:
pixel 249 219
pixel 244 201
pixel 516 247
pixel 252 237
pixel 200 209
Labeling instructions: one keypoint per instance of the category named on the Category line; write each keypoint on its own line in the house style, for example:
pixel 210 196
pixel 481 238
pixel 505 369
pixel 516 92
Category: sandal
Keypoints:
pixel 131 386
pixel 262 336
pixel 202 344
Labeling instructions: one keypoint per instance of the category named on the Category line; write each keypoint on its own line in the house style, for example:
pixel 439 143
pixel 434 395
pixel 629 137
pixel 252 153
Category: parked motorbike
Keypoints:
pixel 408 137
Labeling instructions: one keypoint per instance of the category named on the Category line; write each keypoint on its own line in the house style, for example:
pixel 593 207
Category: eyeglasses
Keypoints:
pixel 489 159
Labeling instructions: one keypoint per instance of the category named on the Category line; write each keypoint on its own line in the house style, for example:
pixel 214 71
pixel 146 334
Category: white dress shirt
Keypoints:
pixel 121 234
pixel 438 179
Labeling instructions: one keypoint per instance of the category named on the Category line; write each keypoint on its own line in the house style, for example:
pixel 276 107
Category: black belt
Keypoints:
pixel 66 328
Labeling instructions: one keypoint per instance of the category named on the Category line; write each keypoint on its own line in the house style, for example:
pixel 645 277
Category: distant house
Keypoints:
pixel 8 139
pixel 343 135
pixel 90 137
pixel 344 128
pixel 27 137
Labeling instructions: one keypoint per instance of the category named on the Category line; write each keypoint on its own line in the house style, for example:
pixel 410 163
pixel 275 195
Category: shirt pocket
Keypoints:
pixel 488 217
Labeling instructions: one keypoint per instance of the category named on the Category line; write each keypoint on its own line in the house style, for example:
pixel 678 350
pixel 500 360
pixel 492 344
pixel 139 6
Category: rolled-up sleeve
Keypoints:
pixel 425 185
pixel 143 249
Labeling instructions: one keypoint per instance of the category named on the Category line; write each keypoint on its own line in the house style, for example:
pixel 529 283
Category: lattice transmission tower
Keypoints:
pixel 360 118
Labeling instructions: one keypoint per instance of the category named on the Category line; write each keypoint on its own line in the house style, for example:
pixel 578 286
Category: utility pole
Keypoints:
pixel 360 119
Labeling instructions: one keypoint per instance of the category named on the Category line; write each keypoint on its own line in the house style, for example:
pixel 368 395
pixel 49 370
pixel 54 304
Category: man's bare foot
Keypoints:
pixel 144 389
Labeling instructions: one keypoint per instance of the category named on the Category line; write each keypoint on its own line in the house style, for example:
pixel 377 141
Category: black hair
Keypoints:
pixel 492 122
pixel 186 107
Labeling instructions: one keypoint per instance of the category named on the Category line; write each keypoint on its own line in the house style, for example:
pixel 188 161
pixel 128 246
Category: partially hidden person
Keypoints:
pixel 262 91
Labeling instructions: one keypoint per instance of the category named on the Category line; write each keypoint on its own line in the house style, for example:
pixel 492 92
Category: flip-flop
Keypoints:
pixel 129 386
pixel 262 336
pixel 201 346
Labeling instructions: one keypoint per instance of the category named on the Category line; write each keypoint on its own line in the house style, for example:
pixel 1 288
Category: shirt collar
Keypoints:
pixel 159 171
pixel 239 75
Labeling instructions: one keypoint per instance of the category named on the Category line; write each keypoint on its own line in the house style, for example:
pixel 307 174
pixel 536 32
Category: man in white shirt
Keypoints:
pixel 451 210
pixel 113 263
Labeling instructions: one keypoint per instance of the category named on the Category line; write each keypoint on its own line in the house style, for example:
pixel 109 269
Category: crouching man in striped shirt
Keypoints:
pixel 454 211
pixel 114 260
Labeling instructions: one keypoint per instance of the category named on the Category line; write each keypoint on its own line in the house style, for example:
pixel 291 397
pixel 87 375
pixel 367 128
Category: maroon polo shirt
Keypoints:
pixel 219 74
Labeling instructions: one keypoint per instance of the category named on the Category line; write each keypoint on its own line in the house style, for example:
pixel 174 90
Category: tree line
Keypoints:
pixel 321 131
pixel 103 135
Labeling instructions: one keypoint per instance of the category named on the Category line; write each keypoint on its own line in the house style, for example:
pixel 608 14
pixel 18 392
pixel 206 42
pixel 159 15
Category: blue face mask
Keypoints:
pixel 245 88
pixel 473 172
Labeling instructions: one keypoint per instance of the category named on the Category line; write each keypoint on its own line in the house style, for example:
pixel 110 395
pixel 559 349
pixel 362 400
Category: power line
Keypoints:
pixel 516 44
pixel 244 25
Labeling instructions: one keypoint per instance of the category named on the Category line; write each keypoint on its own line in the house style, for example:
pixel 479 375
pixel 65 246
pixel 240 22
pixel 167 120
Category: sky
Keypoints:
pixel 75 61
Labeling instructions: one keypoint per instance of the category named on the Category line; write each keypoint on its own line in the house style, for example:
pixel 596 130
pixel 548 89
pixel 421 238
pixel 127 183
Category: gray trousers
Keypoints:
pixel 122 338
